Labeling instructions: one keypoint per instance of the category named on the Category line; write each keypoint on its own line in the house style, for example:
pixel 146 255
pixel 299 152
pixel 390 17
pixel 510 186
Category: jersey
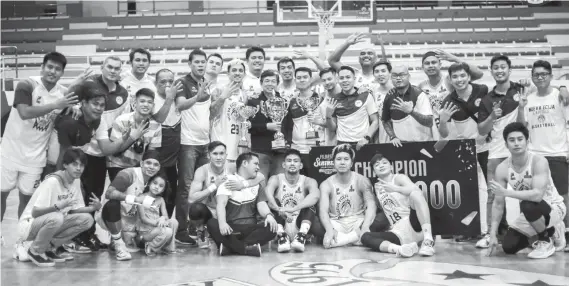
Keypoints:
pixel 436 95
pixel 379 96
pixel 363 81
pixel 346 200
pixel 25 141
pixel 210 202
pixel 395 205
pixel 522 181
pixel 241 206
pixel 288 195
pixel 287 93
pixel 133 85
pixel 329 134
pixel 226 128
pixel 547 121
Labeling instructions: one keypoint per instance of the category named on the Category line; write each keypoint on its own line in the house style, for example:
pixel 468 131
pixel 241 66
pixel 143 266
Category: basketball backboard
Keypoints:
pixel 343 11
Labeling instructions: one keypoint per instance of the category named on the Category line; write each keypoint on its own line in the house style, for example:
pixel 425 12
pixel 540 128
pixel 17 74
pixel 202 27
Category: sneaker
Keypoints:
pixel 61 252
pixel 484 242
pixel 253 250
pixel 559 237
pixel 53 256
pixel 122 253
pixel 298 242
pixel 185 239
pixel 148 250
pixel 542 249
pixel 97 243
pixel 21 251
pixel 40 259
pixel 224 251
pixel 283 243
pixel 192 231
pixel 202 239
pixel 427 248
pixel 407 250
pixel 464 238
pixel 87 243
pixel 74 247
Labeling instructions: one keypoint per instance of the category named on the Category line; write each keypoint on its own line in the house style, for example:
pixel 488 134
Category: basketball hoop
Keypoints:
pixel 325 23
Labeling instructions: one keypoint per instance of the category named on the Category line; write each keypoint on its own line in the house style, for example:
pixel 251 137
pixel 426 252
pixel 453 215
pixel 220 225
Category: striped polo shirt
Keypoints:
pixel 353 115
pixel 241 207
pixel 78 133
pixel 406 128
pixel 195 120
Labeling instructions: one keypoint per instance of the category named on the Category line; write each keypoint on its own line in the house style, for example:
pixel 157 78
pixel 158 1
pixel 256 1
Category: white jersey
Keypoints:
pixel 522 181
pixel 547 121
pixel 133 85
pixel 363 81
pixel 290 195
pixel 226 128
pixel 379 97
pixel 436 95
pixel 346 200
pixel 211 176
pixel 395 205
pixel 287 93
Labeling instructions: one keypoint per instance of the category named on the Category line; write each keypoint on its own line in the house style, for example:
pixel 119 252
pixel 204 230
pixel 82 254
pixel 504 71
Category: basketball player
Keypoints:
pixel 137 78
pixel 331 89
pixel 292 198
pixel 287 87
pixel 546 118
pixel 380 87
pixel 347 205
pixel 458 119
pixel 204 186
pixel 225 124
pixel 541 206
pixel 406 208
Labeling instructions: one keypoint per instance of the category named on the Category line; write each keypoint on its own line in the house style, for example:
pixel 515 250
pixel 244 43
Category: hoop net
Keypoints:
pixel 325 23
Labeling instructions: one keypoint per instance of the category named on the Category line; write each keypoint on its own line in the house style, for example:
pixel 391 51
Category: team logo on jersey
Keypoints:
pixel 194 89
pixel 119 100
pixel 541 118
pixel 517 96
pixel 42 123
pixel 337 191
pixel 352 189
pixel 477 102
pixel 358 103
pixel 254 191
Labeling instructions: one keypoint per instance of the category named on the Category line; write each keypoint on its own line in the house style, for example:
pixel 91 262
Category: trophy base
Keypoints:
pixel 312 135
pixel 243 144
pixel 278 144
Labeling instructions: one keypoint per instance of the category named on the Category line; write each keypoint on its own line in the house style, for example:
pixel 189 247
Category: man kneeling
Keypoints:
pixel 236 230
pixel 407 212
pixel 56 213
pixel 293 197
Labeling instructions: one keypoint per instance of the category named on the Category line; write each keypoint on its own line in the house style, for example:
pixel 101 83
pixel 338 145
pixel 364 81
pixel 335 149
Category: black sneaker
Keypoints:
pixel 61 252
pixel 193 231
pixel 54 256
pixel 283 243
pixel 253 250
pixel 97 243
pixel 298 242
pixel 40 259
pixel 86 243
pixel 183 238
pixel 224 251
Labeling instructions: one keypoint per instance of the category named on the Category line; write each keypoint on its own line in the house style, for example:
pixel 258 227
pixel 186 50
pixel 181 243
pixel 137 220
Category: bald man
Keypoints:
pixel 407 114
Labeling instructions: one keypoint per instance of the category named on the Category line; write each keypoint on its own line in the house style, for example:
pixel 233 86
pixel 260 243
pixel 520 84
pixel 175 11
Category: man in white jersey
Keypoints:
pixel 204 186
pixel 38 101
pixel 292 198
pixel 255 64
pixel 458 114
pixel 331 89
pixel 287 86
pixel 225 124
pixel 546 119
pixel 347 205
pixel 438 85
pixel 526 177
pixel 407 211
pixel 194 103
pixel 136 78
pixel 380 88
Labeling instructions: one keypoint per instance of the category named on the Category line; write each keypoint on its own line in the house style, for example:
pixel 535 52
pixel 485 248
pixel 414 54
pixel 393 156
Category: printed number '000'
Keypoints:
pixel 437 192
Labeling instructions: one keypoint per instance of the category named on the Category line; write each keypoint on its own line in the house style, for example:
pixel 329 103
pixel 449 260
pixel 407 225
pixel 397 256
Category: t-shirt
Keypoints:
pixel 547 122
pixel 50 192
pixel 132 156
pixel 78 133
pixel 405 127
pixel 353 115
pixel 296 125
pixel 462 123
pixel 509 104
pixel 25 142
pixel 195 120
pixel 241 207
pixel 132 85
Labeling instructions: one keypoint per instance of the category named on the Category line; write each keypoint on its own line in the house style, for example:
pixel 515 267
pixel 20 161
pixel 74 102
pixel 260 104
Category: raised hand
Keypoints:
pixel 172 90
pixel 356 38
pixel 139 131
pixel 68 100
pixel 496 110
pixel 301 53
pixel 446 56
pixel 331 107
pixel 447 111
pixel 95 202
pixel 403 106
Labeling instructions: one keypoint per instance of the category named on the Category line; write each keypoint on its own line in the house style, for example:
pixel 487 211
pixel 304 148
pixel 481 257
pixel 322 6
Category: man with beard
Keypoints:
pixel 407 114
pixel 139 119
pixel 380 88
pixel 459 120
pixel 206 181
pixel 347 206
pixel 353 115
pixel 292 198
pixel 136 78
pixel 119 214
pixel 408 212
pixel 194 103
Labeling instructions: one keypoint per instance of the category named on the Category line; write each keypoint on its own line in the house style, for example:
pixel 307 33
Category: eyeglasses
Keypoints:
pixel 270 81
pixel 399 75
pixel 540 75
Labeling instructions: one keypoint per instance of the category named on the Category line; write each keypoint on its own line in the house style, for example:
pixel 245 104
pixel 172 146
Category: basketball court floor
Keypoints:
pixel 453 264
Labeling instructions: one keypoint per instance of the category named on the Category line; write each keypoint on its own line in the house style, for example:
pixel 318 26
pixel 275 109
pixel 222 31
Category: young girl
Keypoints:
pixel 156 229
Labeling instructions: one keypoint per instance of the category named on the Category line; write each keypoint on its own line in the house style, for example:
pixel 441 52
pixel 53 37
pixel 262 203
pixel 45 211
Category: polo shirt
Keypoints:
pixel 241 207
pixel 195 120
pixel 79 133
pixel 353 115
pixel 405 127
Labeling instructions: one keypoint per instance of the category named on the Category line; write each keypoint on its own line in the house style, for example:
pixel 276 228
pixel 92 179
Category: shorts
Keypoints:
pixel 405 232
pixel 556 215
pixel 25 182
pixel 129 224
pixel 347 224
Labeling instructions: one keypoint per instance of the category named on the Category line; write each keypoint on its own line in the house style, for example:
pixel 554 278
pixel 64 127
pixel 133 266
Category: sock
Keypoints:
pixel 304 227
pixel 427 231
pixel 393 248
pixel 116 236
pixel 280 229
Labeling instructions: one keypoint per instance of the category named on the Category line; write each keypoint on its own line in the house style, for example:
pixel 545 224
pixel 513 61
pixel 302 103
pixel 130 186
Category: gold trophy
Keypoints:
pixel 276 109
pixel 245 112
pixel 310 104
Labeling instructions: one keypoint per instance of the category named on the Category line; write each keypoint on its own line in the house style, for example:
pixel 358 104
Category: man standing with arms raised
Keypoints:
pixel 193 102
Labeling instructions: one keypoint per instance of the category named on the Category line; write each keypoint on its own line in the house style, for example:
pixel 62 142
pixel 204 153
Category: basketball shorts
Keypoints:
pixel 23 181
pixel 405 232
pixel 556 215
pixel 347 224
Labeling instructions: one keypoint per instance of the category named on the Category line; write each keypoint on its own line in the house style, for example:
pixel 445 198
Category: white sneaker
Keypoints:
pixel 283 243
pixel 298 242
pixel 559 237
pixel 122 252
pixel 542 249
pixel 407 250
pixel 427 248
pixel 21 251
pixel 484 242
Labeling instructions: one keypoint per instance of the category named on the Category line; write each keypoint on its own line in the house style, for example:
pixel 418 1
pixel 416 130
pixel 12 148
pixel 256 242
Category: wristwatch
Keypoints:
pixel 367 138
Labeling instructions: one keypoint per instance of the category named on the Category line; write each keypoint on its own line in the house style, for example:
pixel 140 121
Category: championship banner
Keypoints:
pixel 447 175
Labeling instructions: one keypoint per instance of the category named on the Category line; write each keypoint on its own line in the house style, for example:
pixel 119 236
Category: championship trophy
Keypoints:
pixel 276 109
pixel 245 112
pixel 310 104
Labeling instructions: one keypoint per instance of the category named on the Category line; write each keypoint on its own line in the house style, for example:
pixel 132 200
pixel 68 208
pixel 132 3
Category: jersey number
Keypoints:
pixel 234 129
pixel 395 217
